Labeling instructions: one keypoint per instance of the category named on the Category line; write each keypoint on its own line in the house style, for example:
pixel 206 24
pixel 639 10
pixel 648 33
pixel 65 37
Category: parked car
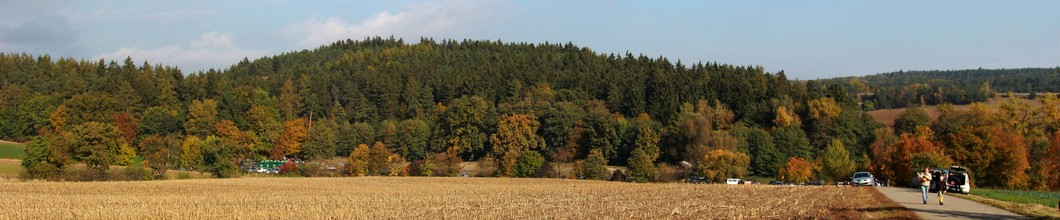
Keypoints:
pixel 776 182
pixel 697 179
pixel 732 181
pixel 959 180
pixel 863 179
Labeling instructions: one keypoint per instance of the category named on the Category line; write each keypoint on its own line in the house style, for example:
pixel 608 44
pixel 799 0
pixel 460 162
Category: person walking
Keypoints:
pixel 925 182
pixel 941 184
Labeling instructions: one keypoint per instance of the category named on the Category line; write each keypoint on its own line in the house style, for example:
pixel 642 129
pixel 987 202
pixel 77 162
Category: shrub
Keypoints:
pixel 666 173
pixel 289 168
pixel 528 164
pixel 135 172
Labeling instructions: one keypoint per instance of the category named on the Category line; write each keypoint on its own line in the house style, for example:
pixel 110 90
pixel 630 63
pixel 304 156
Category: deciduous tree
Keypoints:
pixel 719 165
pixel 797 170
pixel 516 133
pixel 202 116
pixel 836 163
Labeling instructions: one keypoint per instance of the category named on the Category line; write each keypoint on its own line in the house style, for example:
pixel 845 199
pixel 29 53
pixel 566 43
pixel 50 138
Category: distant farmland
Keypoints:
pixel 887 116
pixel 424 197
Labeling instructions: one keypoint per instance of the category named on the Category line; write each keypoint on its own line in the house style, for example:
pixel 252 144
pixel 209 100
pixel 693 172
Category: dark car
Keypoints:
pixel 697 179
pixel 776 182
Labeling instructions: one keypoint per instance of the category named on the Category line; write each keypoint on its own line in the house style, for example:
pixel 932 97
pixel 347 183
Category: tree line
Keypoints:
pixel 426 107
pixel 908 88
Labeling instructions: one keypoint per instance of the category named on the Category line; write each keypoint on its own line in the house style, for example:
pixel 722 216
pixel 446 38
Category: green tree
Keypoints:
pixel 95 144
pixel 836 163
pixel 264 121
pixel 792 141
pixel 594 167
pixel 160 120
pixel 348 136
pixel 466 123
pixel 767 158
pixel 908 121
pixel 528 164
pixel 220 157
pixel 412 138
pixel 290 102
pixel 558 125
pixel 202 116
pixel 320 144
pixel 648 140
pixel 43 160
pixel 641 167
pixel 191 156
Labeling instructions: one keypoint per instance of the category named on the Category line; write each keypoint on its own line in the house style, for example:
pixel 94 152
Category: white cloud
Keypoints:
pixel 430 19
pixel 211 50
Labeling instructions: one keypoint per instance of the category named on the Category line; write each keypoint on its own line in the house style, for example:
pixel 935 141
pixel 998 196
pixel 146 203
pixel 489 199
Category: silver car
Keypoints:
pixel 863 179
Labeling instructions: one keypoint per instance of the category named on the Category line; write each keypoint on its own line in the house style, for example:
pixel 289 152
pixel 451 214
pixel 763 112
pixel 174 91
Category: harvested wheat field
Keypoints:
pixel 401 197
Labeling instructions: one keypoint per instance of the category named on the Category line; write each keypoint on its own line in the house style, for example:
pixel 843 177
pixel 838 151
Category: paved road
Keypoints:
pixel 955 208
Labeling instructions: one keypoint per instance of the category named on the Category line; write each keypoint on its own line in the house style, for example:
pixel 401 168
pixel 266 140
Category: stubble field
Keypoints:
pixel 434 198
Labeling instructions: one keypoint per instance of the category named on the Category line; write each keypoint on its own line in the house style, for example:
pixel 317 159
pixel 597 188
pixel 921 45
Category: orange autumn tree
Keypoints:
pixel 294 135
pixel 1049 166
pixel 797 170
pixel 896 161
pixel 127 125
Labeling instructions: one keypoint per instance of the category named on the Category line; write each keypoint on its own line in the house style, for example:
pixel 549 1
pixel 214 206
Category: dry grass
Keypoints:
pixel 402 197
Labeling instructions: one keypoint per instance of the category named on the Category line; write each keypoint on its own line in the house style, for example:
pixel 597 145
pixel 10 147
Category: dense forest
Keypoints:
pixel 905 88
pixel 392 108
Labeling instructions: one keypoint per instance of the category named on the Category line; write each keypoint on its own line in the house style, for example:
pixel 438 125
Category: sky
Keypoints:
pixel 805 39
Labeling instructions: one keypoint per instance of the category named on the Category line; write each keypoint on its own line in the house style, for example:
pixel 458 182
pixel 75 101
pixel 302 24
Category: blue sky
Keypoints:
pixel 806 39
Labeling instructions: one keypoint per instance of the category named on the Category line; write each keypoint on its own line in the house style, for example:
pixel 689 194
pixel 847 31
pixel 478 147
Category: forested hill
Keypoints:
pixel 390 74
pixel 472 98
pixel 902 88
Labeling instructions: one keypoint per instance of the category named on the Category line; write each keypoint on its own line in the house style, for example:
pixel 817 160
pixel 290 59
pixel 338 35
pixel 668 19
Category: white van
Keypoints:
pixel 732 181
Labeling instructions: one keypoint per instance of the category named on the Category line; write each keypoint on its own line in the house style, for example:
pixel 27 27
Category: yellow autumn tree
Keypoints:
pixel 786 117
pixel 515 133
pixel 824 109
pixel 357 163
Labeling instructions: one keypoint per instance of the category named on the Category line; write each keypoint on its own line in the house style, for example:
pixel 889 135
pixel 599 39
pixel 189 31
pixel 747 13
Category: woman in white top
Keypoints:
pixel 925 182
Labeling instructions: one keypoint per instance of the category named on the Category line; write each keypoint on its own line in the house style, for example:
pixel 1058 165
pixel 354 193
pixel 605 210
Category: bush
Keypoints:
pixel 528 164
pixel 421 168
pixel 321 168
pixel 667 173
pixel 136 172
pixel 289 168
pixel 618 175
